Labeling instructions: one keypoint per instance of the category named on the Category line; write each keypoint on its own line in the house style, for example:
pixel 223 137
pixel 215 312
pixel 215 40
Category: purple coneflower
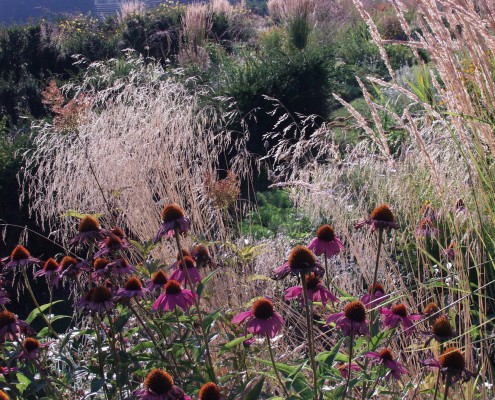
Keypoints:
pixel 379 296
pixel 98 299
pixel 386 358
pixel 120 234
pixel 51 270
pixel 159 385
pixel 427 229
pixel 185 253
pixel 89 230
pixel 157 281
pixel 381 217
pixel 132 288
pixel 180 275
pixel 4 396
pixel 210 391
pixel 121 267
pixel 301 261
pixel 201 255
pixel 111 245
pixel 344 368
pixel 10 326
pixel 398 314
pixel 174 296
pixel 431 312
pixel 452 364
pixel 101 267
pixel 353 318
pixel 326 242
pixel 19 257
pixel 316 291
pixel 173 217
pixel 441 330
pixel 262 319
pixel 31 349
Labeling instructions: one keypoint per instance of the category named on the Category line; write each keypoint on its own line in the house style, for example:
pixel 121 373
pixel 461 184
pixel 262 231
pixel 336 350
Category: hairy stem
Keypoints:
pixel 309 325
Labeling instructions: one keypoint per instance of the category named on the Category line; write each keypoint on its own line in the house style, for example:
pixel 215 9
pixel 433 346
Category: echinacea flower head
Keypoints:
pixel 326 242
pixel 111 245
pixel 381 217
pixel 427 229
pixel 173 217
pixel 31 348
pixel 301 261
pixel 344 369
pixel 398 314
pixel 100 267
pixel 70 267
pixel 452 364
pixel 352 319
pixel 121 267
pixel 4 396
pixel 431 312
pixel 427 211
pixel 51 271
pixel 379 296
pixel 132 288
pixel 159 385
pixel 180 274
pixel 158 280
pixel 201 255
pixel 10 326
pixel 174 296
pixel 386 358
pixel 98 299
pixel 262 319
pixel 210 391
pixel 19 257
pixel 441 330
pixel 89 230
pixel 316 291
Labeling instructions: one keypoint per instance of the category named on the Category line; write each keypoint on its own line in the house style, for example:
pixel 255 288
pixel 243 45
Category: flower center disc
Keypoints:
pixel 400 310
pixel 201 253
pixel 376 288
pixel 452 358
pixel 325 233
pixel 19 253
pixel 3 395
pixel 210 391
pixel 30 344
pixel 101 294
pixel 382 213
pixel 173 287
pixel 188 261
pixel 430 308
pixel 113 241
pixel 116 231
pixel 133 283
pixel 312 281
pixel 50 265
pixel 263 309
pixel 159 382
pixel 100 263
pixel 386 354
pixel 89 224
pixel 442 328
pixel 172 212
pixel 301 258
pixel 159 278
pixel 355 311
pixel 6 318
pixel 67 262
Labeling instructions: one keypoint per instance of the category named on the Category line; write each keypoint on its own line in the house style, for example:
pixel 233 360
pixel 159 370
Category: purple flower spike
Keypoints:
pixel 159 385
pixel 381 217
pixel 398 314
pixel 386 358
pixel 301 261
pixel 262 319
pixel 316 291
pixel 172 217
pixel 174 296
pixel 326 242
pixel 353 318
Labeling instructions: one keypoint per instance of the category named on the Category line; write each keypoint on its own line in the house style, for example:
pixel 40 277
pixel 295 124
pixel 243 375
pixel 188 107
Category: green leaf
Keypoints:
pixel 97 384
pixel 210 319
pixel 255 392
pixel 205 280
pixel 328 357
pixel 24 382
pixel 236 341
pixel 37 311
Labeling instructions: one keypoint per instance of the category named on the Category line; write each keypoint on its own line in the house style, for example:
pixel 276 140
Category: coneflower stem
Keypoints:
pixel 447 385
pixel 196 301
pixel 437 384
pixel 349 370
pixel 96 322
pixel 375 274
pixel 309 325
pixel 327 275
pixel 275 369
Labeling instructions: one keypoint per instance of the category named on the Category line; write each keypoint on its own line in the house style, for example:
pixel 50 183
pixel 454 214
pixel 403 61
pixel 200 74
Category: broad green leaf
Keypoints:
pixel 37 311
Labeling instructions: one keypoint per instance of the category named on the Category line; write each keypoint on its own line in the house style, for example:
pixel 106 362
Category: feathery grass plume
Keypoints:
pixel 130 9
pixel 196 23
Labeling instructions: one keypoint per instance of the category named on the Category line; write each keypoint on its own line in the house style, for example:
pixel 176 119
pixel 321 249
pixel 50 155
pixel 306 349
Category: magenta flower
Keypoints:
pixel 159 385
pixel 71 268
pixel 174 296
pixel 157 281
pixel 121 267
pixel 262 319
pixel 51 271
pixel 19 257
pixel 31 349
pixel 132 288
pixel 316 291
pixel 379 296
pixel 111 245
pixel 185 253
pixel 326 242
pixel 89 230
pixel 398 314
pixel 301 261
pixel 381 217
pixel 352 319
pixel 201 255
pixel 344 369
pixel 452 364
pixel 386 358
pixel 10 326
pixel 179 274
pixel 173 217
pixel 98 299
pixel 101 267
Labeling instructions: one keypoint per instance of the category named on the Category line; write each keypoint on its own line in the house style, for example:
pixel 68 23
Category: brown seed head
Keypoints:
pixel 3 395
pixel 312 281
pixel 159 278
pixel 133 283
pixel 159 382
pixel 67 262
pixel 30 344
pixel 376 288
pixel 386 354
pixel 118 232
pixel 172 212
pixel 101 294
pixel 442 328
pixel 173 287
pixel 302 258
pixel 190 263
pixel 50 265
pixel 19 253
pixel 201 253
pixel 210 391
pixel 100 263
pixel 452 358
pixel 89 224
pixel 382 213
pixel 325 233
pixel 113 241
pixel 430 308
pixel 263 309
pixel 355 311
pixel 400 310
pixel 6 319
